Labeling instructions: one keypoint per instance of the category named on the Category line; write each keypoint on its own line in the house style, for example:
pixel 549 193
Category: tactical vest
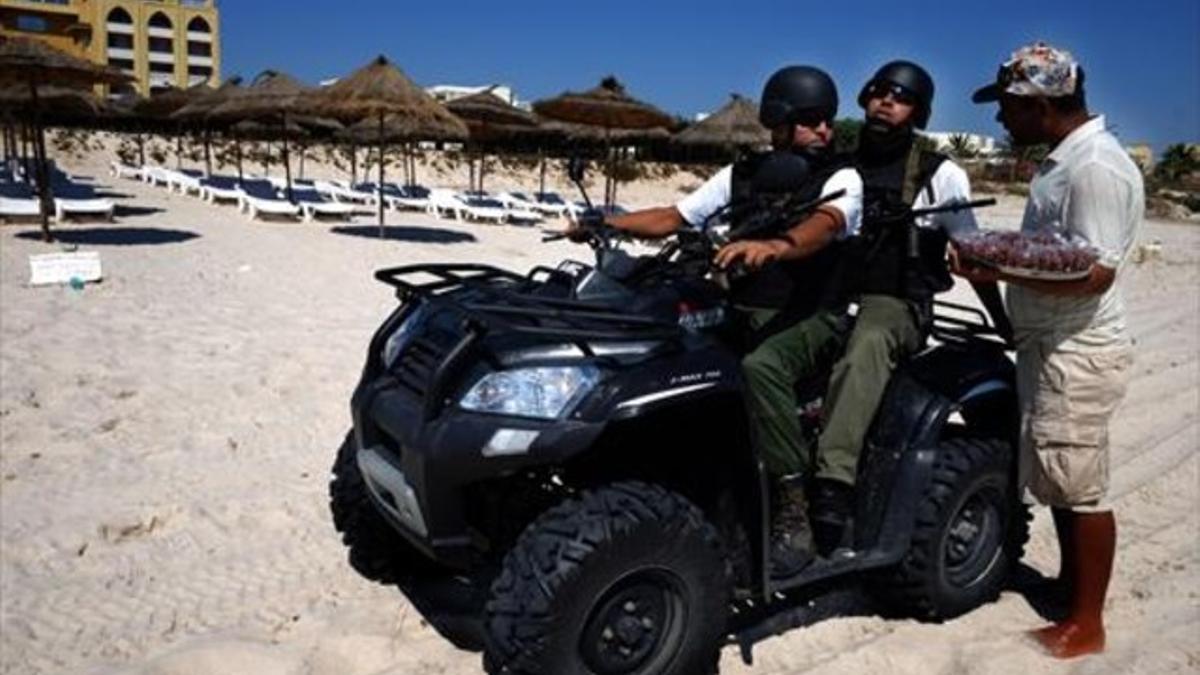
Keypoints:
pixel 892 254
pixel 796 286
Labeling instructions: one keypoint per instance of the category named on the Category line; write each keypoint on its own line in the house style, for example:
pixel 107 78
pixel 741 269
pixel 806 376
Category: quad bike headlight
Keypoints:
pixel 544 392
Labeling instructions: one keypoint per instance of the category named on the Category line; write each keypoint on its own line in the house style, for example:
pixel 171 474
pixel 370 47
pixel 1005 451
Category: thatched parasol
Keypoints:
pixel 33 63
pixel 734 126
pixel 66 105
pixel 607 108
pixel 489 117
pixel 272 95
pixel 380 89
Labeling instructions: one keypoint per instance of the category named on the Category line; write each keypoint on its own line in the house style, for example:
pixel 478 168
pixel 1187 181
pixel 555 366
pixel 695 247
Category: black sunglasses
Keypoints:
pixel 809 118
pixel 899 94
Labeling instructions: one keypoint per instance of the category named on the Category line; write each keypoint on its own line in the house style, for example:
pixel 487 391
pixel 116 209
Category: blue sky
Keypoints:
pixel 1142 57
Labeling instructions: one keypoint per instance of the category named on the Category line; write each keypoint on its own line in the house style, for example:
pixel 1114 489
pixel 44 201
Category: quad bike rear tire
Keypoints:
pixel 969 535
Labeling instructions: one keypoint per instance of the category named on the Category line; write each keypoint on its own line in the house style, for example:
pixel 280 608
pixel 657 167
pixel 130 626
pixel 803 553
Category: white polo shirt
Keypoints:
pixel 716 192
pixel 1088 189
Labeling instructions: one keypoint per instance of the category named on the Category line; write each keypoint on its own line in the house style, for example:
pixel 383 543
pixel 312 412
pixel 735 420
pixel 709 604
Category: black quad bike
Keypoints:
pixel 555 467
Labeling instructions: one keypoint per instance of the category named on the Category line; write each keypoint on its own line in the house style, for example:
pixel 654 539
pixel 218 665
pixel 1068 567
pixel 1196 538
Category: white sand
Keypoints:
pixel 166 436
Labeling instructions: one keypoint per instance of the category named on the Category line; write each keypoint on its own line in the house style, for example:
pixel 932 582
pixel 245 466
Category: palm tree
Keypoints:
pixel 1178 160
pixel 961 146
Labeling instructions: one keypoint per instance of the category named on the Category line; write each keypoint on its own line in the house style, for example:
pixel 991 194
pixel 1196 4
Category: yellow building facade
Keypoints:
pixel 160 43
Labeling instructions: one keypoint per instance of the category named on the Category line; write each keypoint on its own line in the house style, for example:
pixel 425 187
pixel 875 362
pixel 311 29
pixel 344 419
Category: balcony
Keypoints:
pixel 200 61
pixel 155 31
pixel 162 79
pixel 119 28
pixel 118 53
pixel 160 57
pixel 193 36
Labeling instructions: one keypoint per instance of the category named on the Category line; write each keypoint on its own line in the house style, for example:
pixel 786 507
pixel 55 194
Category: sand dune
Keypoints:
pixel 166 436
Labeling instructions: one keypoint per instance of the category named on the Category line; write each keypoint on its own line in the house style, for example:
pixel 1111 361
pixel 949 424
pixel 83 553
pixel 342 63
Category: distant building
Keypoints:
pixel 984 146
pixel 448 92
pixel 1142 155
pixel 160 43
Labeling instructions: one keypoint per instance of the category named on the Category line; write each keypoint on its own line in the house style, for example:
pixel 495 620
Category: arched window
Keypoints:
pixel 160 20
pixel 198 25
pixel 119 15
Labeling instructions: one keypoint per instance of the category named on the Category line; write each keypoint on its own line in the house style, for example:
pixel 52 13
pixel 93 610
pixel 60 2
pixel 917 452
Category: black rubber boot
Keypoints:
pixel 832 514
pixel 791 536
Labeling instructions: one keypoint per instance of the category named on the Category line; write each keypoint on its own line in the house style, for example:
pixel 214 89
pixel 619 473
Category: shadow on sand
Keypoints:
pixel 1043 594
pixel 122 211
pixel 423 235
pixel 113 236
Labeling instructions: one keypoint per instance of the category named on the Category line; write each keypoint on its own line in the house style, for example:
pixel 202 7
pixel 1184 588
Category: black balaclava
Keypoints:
pixel 880 142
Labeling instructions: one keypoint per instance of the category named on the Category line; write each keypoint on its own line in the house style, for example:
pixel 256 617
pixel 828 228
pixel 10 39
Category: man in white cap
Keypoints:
pixel 1073 348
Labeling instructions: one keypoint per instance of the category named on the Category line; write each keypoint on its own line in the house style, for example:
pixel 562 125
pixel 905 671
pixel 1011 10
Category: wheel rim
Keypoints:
pixel 972 543
pixel 636 626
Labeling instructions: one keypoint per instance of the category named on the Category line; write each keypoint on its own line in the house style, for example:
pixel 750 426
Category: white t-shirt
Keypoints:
pixel 949 184
pixel 715 193
pixel 1087 189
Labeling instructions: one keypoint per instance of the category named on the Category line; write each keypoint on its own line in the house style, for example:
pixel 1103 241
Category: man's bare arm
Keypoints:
pixel 813 233
pixel 654 223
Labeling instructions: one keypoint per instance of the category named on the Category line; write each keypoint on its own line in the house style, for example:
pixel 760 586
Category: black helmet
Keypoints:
pixel 795 93
pixel 912 78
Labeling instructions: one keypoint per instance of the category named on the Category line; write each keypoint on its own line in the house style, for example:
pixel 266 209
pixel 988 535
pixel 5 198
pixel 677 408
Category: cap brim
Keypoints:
pixel 986 94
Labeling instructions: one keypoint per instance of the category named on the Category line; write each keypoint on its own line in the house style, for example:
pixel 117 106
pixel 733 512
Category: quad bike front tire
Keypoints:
pixel 627 579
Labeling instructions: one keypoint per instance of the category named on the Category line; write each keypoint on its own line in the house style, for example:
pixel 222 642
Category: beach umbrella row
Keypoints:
pixel 379 104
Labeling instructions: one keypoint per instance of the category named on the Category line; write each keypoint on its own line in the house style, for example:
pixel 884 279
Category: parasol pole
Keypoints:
pixel 379 187
pixel 207 151
pixel 353 163
pixel 237 149
pixel 25 134
pixel 287 165
pixel 542 171
pixel 40 149
pixel 412 157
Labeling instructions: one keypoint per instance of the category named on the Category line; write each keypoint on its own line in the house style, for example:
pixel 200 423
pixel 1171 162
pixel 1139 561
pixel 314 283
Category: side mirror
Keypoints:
pixel 576 168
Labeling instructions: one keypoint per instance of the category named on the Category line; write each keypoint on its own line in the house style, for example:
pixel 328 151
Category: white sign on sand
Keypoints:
pixel 60 268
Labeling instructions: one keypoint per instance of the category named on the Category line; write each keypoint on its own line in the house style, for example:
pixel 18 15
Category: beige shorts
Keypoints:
pixel 1067 400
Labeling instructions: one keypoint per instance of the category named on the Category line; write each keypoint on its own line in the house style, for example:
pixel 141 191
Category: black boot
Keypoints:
pixel 791 537
pixel 832 512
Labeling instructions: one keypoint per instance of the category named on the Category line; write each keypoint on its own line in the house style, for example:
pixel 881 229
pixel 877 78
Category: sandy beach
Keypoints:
pixel 166 438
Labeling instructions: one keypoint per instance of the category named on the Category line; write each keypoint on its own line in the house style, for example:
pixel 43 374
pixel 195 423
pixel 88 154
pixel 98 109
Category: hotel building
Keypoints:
pixel 160 43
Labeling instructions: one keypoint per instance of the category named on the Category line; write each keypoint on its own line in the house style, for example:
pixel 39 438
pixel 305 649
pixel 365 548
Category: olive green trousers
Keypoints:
pixel 886 329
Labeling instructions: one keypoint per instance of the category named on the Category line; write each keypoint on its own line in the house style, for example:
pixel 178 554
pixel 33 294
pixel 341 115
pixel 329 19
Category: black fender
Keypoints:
pixel 977 381
pixel 694 439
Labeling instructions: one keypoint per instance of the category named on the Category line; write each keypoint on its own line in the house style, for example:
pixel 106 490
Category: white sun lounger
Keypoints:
pixel 476 207
pixel 342 193
pixel 155 175
pixel 19 208
pixel 215 189
pixel 122 170
pixel 75 199
pixel 519 208
pixel 313 205
pixel 258 198
pixel 184 182
pixel 18 201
